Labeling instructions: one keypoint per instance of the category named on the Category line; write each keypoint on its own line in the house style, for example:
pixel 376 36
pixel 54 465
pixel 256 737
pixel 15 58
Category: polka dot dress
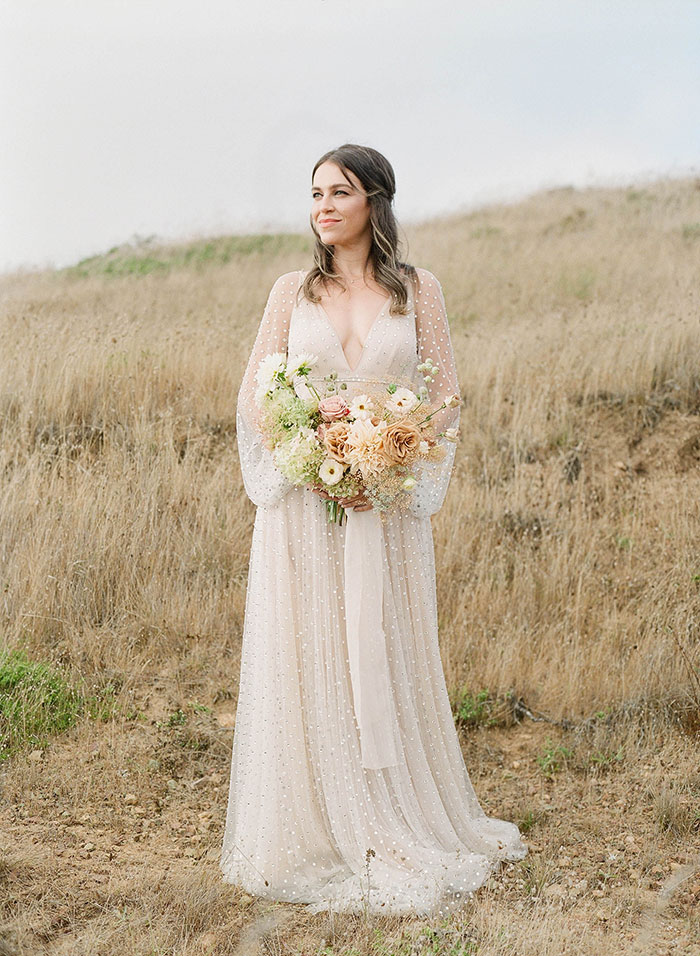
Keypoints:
pixel 308 820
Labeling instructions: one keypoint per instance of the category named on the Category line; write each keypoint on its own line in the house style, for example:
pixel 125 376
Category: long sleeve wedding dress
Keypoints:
pixel 348 787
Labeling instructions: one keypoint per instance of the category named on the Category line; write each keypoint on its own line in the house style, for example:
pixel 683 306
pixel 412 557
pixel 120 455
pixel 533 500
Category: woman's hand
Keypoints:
pixel 357 503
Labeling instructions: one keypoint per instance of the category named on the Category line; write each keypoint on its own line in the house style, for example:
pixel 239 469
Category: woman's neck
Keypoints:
pixel 352 261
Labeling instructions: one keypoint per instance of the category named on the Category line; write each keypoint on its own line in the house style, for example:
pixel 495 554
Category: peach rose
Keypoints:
pixel 335 438
pixel 400 443
pixel 333 408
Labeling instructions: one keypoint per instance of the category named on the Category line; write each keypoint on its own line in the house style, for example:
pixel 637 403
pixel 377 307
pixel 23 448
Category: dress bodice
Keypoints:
pixel 395 346
pixel 389 354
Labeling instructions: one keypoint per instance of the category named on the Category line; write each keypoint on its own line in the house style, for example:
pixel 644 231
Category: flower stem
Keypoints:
pixel 434 412
pixel 336 512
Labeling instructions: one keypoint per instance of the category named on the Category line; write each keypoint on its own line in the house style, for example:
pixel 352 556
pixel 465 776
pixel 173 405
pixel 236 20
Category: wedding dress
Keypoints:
pixel 348 787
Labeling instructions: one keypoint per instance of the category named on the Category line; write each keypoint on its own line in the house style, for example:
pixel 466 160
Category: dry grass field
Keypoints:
pixel 568 578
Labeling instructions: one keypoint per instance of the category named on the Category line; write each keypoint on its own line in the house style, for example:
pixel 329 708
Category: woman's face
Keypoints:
pixel 339 207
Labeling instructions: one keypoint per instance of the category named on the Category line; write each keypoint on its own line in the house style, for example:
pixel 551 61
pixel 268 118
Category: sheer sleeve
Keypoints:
pixel 434 343
pixel 265 485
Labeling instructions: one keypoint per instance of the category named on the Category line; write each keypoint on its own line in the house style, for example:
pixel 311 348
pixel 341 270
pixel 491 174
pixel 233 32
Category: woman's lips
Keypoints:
pixel 327 222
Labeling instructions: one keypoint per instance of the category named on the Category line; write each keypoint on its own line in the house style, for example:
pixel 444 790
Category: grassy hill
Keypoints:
pixel 568 581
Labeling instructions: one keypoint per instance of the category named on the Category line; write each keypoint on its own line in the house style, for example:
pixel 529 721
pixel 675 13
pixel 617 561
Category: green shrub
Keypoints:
pixel 36 701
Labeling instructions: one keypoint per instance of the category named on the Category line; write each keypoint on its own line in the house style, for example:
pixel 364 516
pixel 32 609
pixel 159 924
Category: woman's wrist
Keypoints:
pixel 357 502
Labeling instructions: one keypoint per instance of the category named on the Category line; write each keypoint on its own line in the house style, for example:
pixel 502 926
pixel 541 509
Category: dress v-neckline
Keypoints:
pixel 367 337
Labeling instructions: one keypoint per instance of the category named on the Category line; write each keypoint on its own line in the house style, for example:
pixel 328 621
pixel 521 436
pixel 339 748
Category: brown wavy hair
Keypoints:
pixel 376 175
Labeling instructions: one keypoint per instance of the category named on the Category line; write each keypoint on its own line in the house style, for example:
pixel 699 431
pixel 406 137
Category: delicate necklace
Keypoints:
pixel 352 278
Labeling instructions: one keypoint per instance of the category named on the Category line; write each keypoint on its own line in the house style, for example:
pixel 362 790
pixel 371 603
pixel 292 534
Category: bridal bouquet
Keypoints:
pixel 370 443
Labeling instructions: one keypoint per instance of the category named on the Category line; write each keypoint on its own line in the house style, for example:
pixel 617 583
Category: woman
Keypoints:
pixel 348 786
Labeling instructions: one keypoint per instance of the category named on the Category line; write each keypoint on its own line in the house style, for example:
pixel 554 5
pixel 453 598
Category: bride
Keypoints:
pixel 348 787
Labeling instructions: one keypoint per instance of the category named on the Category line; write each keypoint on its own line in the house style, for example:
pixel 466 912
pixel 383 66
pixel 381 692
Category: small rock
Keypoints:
pixel 89 847
pixel 130 799
pixel 35 755
pixel 172 784
pixel 226 720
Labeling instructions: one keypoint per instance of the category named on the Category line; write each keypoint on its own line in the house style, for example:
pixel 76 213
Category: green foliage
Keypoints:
pixel 141 258
pixel 691 230
pixel 474 710
pixel 605 759
pixel 485 231
pixel 579 284
pixel 36 701
pixel 554 758
pixel 177 718
pixel 529 821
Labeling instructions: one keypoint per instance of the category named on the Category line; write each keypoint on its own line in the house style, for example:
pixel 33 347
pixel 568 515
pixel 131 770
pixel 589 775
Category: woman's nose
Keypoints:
pixel 326 204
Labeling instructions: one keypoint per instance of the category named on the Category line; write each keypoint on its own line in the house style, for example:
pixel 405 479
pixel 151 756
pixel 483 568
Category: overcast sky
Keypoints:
pixel 171 118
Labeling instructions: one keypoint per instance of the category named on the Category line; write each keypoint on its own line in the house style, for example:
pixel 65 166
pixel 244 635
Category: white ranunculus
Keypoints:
pixel 424 448
pixel 331 471
pixel 409 483
pixel 451 434
pixel 402 401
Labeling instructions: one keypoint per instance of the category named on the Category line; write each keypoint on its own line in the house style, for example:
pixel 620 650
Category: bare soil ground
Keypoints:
pixel 614 864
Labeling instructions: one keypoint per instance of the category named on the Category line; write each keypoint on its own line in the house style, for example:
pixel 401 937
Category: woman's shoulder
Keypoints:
pixel 288 280
pixel 425 274
pixel 428 283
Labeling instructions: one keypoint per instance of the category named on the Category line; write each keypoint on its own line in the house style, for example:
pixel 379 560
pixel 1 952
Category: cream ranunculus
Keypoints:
pixel 330 471
pixel 402 401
